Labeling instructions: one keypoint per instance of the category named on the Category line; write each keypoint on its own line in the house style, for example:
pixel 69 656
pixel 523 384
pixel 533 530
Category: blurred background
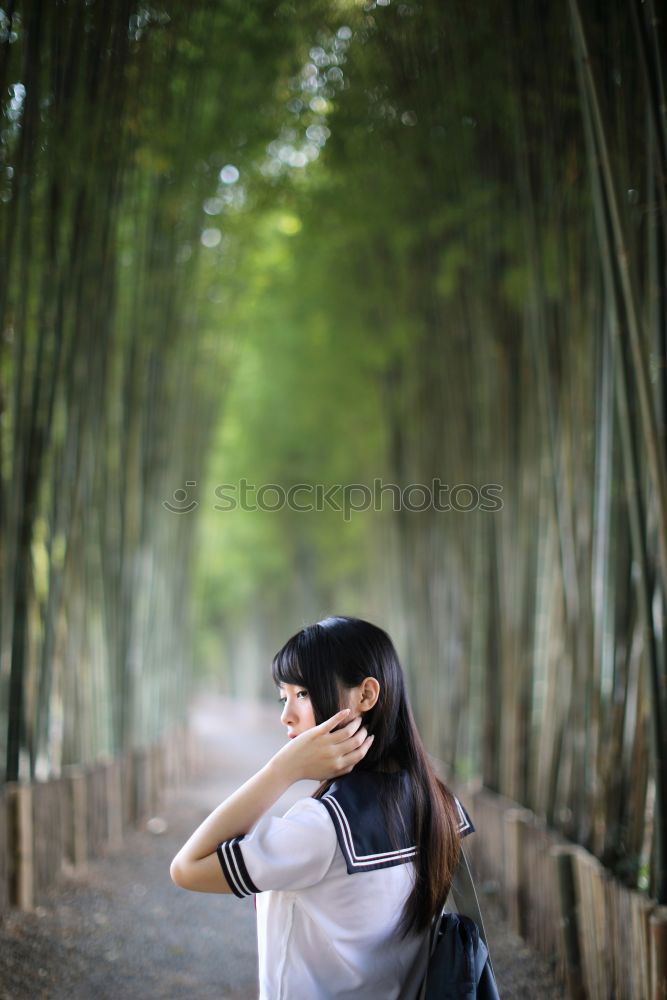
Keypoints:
pixel 331 245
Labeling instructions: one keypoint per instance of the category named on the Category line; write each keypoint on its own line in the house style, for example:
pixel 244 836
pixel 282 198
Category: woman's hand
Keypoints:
pixel 319 753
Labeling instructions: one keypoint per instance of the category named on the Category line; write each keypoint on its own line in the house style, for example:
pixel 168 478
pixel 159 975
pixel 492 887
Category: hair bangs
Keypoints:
pixel 285 667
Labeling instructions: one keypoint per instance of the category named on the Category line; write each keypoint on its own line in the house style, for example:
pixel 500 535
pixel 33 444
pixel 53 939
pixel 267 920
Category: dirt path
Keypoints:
pixel 122 929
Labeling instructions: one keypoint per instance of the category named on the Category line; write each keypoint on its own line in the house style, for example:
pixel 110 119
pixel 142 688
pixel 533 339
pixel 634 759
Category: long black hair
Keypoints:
pixel 335 654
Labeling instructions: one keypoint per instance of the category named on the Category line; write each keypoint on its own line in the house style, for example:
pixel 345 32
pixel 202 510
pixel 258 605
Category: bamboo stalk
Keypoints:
pixel 650 434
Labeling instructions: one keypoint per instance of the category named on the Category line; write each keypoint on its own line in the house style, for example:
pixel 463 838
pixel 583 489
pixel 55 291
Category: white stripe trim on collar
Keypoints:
pixel 364 859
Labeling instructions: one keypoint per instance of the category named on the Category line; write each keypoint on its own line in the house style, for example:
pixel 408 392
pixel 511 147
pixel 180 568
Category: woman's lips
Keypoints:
pixel 292 736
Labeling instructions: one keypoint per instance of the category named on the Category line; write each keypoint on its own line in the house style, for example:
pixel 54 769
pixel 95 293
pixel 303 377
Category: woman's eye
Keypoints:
pixel 281 701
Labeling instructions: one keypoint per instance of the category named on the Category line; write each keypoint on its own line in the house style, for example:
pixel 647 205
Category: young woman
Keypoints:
pixel 348 880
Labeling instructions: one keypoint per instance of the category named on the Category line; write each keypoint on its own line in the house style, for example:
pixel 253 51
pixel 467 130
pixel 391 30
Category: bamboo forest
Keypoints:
pixel 340 307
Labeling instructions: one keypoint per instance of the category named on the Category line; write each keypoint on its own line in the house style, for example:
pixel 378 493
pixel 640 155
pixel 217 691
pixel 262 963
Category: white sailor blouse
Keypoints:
pixel 321 933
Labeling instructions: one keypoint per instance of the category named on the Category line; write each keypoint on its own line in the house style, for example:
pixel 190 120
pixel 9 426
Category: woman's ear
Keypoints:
pixel 369 692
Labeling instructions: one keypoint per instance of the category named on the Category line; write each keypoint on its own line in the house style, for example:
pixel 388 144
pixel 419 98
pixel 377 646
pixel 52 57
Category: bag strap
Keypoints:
pixel 465 897
pixel 461 898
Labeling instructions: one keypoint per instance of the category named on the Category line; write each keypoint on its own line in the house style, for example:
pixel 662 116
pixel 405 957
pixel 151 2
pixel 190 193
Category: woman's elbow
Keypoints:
pixel 204 875
pixel 176 873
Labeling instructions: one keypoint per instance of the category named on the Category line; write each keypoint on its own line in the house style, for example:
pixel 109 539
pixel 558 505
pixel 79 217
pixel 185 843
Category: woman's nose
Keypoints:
pixel 285 716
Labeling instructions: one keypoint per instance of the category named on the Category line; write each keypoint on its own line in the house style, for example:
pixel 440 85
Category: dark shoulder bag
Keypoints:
pixel 459 963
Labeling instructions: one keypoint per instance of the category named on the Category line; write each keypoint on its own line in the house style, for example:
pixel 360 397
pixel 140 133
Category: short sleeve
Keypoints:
pixel 465 823
pixel 292 851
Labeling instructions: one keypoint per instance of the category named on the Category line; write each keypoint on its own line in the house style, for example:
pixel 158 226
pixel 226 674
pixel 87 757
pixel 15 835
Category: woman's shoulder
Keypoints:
pixel 309 811
pixel 354 803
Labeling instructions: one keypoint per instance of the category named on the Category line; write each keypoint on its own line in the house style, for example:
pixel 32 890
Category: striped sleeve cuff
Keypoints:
pixel 234 869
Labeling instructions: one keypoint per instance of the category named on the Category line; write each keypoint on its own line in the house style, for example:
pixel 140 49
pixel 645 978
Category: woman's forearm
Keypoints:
pixel 238 813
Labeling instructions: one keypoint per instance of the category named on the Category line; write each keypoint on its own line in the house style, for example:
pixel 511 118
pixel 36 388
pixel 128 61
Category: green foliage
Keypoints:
pixel 399 274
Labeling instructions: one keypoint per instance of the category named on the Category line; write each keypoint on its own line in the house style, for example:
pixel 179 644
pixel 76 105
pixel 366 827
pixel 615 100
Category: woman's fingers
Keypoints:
pixel 353 758
pixel 359 744
pixel 351 739
pixel 327 750
pixel 359 736
pixel 340 718
pixel 340 726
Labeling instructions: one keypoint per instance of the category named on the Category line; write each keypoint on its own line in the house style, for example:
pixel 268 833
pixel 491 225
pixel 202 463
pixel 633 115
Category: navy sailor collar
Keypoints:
pixel 353 802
